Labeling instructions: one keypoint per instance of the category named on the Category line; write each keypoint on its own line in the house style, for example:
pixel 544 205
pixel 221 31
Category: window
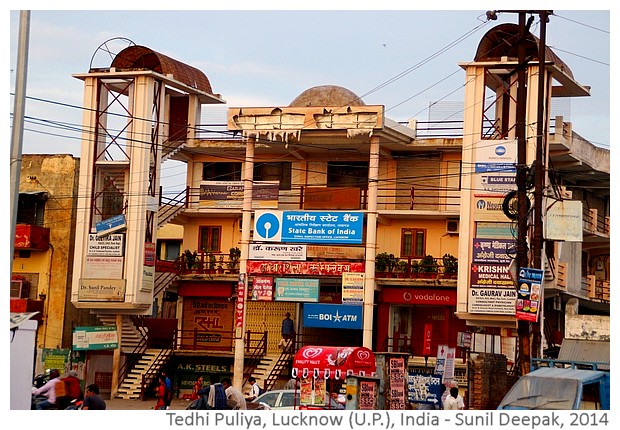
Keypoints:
pixel 209 240
pixel 31 208
pixel 413 243
pixel 280 172
pixel 347 174
pixel 221 171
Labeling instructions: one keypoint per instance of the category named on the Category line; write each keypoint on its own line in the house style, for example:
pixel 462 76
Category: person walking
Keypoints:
pixel 168 396
pixel 288 330
pixel 92 399
pixel 217 394
pixel 161 393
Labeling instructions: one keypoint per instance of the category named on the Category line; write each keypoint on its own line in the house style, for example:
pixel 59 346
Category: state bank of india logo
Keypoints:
pixel 481 204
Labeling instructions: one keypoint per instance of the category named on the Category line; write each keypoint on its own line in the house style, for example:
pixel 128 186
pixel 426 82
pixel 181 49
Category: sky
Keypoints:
pixel 403 59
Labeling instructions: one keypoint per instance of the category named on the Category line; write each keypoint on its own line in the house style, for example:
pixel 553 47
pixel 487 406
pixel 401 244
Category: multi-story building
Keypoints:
pixel 44 242
pixel 326 209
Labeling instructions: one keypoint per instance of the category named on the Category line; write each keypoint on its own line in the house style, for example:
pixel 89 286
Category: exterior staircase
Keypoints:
pixel 280 369
pixel 262 371
pixel 130 336
pixel 146 370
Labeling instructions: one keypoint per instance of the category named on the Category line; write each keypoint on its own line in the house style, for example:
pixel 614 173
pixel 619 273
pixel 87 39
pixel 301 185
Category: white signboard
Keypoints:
pixel 101 290
pixel 564 221
pixel 110 245
pixel 148 278
pixel 281 252
pixel 496 151
pixel 103 267
pixel 353 288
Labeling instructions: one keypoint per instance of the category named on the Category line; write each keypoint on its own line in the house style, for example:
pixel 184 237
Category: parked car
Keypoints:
pixel 289 399
pixel 546 388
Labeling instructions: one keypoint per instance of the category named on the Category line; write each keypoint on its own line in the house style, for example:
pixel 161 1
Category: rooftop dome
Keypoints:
pixel 327 95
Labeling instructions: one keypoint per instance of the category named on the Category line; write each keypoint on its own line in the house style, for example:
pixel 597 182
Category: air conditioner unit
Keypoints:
pixel 452 226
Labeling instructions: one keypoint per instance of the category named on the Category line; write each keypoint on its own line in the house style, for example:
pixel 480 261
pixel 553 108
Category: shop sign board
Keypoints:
pixel 353 288
pixel 95 338
pixel 229 194
pixel 276 251
pixel 499 251
pixel 332 316
pixel 318 268
pixel 297 289
pixel 344 227
pixel 110 225
pixel 103 267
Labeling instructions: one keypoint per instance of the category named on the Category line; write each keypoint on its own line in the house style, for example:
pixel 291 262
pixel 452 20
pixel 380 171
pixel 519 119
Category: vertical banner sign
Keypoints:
pixel 448 372
pixel 239 308
pixel 398 393
pixel 529 294
pixel 368 395
pixel 353 288
pixel 428 338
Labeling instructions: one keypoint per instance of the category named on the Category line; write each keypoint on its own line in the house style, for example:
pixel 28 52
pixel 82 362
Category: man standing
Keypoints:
pixel 234 398
pixel 288 329
pixel 92 400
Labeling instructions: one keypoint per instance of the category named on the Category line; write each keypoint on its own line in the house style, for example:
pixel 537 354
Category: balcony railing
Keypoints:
pixel 388 199
pixel 594 223
pixel 414 268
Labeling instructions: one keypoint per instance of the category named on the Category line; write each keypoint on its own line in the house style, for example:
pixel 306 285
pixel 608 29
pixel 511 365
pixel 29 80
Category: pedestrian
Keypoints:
pixel 451 402
pixel 217 394
pixel 161 393
pixel 254 389
pixel 73 391
pixel 288 330
pixel 168 396
pixel 92 399
pixel 234 398
pixel 48 390
pixel 197 388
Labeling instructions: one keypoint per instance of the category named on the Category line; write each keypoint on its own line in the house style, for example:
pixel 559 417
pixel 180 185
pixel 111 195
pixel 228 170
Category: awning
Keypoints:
pixel 333 362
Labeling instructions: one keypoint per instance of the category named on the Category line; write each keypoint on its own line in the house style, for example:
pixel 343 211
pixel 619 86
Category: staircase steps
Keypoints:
pixel 151 361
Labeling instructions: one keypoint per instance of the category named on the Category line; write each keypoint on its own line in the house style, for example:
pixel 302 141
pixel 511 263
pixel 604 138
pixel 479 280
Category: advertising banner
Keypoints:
pixel 262 288
pixel 489 208
pixel 207 323
pixel 229 194
pixel 530 291
pixel 103 267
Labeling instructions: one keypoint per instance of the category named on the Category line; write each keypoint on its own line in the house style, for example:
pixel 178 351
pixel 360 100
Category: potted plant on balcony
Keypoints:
pixel 428 267
pixel 385 263
pixel 415 269
pixel 234 255
pixel 401 269
pixel 211 266
pixel 187 261
pixel 450 266
pixel 220 265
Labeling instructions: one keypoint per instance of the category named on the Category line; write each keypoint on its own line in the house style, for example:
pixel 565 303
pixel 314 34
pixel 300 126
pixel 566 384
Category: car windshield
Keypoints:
pixel 541 393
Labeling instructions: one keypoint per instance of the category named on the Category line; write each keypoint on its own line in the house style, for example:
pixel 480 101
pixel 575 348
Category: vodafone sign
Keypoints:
pixel 419 296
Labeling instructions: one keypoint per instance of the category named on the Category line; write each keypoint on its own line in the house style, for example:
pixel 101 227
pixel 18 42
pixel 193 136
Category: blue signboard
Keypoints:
pixel 496 167
pixel 343 227
pixel 332 316
pixel 423 388
pixel 110 225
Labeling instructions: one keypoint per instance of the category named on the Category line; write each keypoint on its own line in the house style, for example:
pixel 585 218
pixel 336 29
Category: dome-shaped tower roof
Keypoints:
pixel 327 95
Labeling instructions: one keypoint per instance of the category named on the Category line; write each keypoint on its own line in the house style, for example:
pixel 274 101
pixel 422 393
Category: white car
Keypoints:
pixel 289 399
